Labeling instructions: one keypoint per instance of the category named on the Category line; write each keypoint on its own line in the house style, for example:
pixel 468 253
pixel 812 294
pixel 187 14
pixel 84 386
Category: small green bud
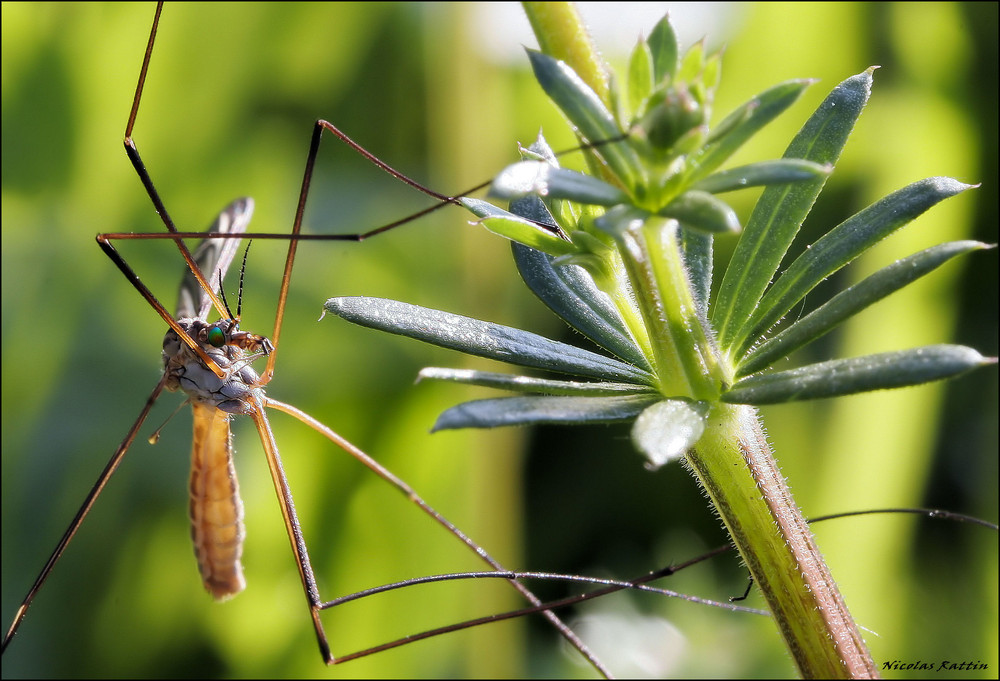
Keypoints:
pixel 670 113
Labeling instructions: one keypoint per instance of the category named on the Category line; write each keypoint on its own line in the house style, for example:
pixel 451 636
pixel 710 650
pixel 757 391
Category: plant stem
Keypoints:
pixel 733 462
pixel 561 33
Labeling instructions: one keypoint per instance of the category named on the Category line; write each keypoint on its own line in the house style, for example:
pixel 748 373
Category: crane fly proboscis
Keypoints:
pixel 227 112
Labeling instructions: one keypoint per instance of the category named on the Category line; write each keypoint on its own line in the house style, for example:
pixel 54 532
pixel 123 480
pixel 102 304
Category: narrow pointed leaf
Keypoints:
pixel 692 63
pixel 851 301
pixel 541 179
pixel 616 102
pixel 533 207
pixel 689 142
pixel 711 75
pixel 739 126
pixel 663 47
pixel 540 151
pixel 586 112
pixel 518 229
pixel 763 173
pixel 530 384
pixel 640 76
pixel 526 411
pixel 702 211
pixel 732 124
pixel 857 374
pixel 483 339
pixel 665 431
pixel 842 244
pixel 571 293
pixel 578 102
pixel 779 212
pixel 697 247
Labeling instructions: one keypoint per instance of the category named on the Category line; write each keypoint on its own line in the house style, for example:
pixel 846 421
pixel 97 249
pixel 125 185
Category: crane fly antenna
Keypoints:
pixel 243 269
pixel 225 303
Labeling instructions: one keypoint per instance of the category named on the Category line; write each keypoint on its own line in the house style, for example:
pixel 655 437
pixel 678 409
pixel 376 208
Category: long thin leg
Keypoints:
pixel 291 520
pixel 144 291
pixel 412 495
pixel 296 235
pixel 147 182
pixel 609 586
pixel 74 525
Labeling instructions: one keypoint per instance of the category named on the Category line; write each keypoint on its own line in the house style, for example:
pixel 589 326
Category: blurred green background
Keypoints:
pixel 231 97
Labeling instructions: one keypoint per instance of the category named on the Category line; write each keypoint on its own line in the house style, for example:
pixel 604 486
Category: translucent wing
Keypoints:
pixel 213 257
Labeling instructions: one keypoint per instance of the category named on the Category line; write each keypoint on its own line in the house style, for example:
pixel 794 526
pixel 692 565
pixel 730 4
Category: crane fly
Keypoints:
pixel 210 363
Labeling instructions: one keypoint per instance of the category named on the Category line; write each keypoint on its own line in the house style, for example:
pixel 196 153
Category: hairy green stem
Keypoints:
pixel 733 462
pixel 561 33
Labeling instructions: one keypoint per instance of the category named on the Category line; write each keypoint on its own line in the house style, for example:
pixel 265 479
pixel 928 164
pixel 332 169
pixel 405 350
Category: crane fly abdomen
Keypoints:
pixel 215 508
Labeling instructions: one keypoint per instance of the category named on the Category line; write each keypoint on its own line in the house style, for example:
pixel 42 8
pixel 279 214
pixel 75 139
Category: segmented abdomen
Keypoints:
pixel 216 510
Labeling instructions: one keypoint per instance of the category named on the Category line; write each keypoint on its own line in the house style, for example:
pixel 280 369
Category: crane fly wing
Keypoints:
pixel 215 509
pixel 213 257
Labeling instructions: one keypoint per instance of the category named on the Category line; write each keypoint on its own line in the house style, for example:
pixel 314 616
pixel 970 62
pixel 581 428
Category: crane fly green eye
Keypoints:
pixel 217 337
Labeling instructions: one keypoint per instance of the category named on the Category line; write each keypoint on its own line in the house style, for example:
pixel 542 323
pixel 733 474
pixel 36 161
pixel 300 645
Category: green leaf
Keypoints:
pixel 586 112
pixel 780 210
pixel 640 76
pixel 532 209
pixel 739 126
pixel 571 293
pixel 620 219
pixel 525 411
pixel 857 374
pixel 518 229
pixel 663 48
pixel 530 384
pixel 542 211
pixel 851 301
pixel 692 63
pixel 763 173
pixel 541 179
pixel 482 339
pixel 702 211
pixel 712 73
pixel 839 246
pixel 665 431
pixel 697 247
pixel 617 103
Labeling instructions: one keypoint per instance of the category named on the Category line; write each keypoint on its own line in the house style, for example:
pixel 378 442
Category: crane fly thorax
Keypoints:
pixel 231 349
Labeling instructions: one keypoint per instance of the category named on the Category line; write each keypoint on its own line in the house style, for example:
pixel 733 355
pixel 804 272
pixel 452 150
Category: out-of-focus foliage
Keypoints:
pixel 231 97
